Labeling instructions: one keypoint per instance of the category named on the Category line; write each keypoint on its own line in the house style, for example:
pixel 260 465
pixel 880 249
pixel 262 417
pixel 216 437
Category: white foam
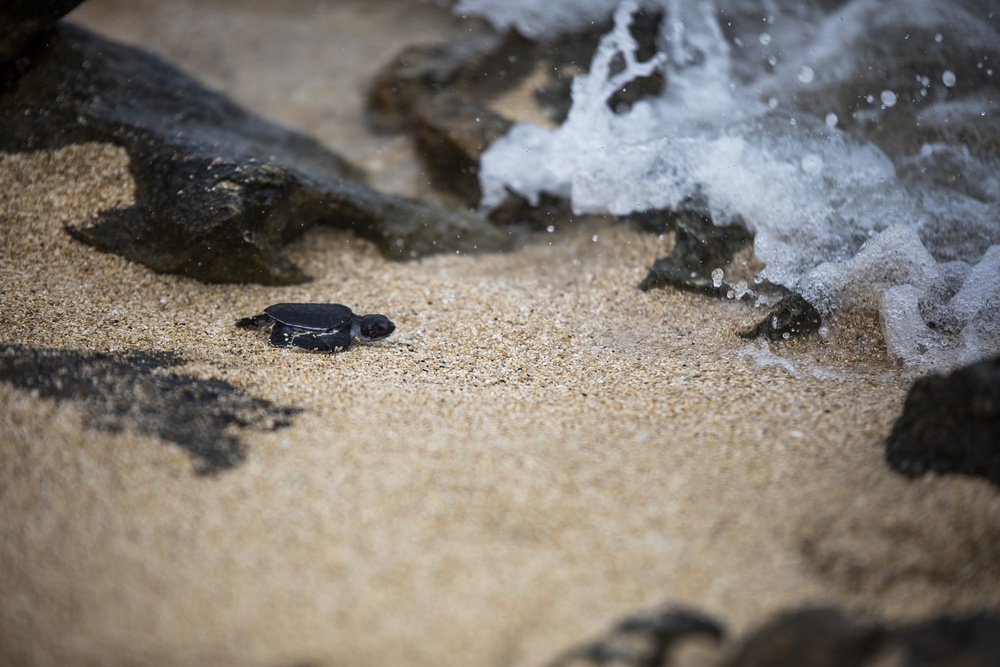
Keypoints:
pixel 539 20
pixel 908 338
pixel 763 357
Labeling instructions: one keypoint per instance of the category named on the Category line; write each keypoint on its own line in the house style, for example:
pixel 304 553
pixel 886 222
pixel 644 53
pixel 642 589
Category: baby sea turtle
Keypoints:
pixel 318 326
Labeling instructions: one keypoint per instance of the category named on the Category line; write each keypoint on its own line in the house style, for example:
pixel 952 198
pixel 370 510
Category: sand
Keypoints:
pixel 538 450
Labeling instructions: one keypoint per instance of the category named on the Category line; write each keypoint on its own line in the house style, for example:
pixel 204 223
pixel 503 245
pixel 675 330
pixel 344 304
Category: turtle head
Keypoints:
pixel 374 327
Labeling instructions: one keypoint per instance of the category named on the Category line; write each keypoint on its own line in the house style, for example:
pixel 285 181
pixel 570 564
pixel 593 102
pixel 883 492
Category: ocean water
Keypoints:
pixel 859 141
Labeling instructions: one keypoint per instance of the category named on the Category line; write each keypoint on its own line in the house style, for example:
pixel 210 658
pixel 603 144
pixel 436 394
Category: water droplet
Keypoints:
pixel 831 120
pixel 806 74
pixel 888 98
pixel 550 229
pixel 765 38
pixel 717 275
pixel 773 103
pixel 939 38
pixel 948 78
pixel 594 238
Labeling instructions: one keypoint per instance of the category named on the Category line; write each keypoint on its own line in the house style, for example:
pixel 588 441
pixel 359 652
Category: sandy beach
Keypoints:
pixel 539 449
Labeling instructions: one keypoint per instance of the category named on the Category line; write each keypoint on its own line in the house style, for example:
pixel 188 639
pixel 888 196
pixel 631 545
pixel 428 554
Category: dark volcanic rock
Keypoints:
pixel 827 638
pixel 645 640
pixel 429 91
pixel 946 641
pixel 803 637
pixel 219 191
pixel 792 316
pixel 135 390
pixel 442 93
pixel 809 638
pixel 950 424
pixel 699 248
pixel 20 20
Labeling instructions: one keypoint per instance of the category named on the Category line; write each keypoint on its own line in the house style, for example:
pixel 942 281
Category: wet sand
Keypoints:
pixel 538 450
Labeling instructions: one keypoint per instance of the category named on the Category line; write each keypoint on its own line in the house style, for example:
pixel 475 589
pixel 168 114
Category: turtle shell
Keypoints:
pixel 311 316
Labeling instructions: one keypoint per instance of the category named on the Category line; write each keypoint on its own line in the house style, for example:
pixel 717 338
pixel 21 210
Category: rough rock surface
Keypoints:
pixel 644 640
pixel 825 637
pixel 136 390
pixel 418 92
pixel 950 424
pixel 219 191
pixel 792 316
pixel 20 20
pixel 443 94
pixel 700 247
pixel 802 637
pixel 973 641
pixel 817 637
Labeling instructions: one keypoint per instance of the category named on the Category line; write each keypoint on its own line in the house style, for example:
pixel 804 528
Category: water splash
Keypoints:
pixel 830 216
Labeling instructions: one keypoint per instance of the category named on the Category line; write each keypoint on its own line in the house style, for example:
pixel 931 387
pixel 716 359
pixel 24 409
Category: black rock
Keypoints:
pixel 441 94
pixel 792 316
pixel 972 641
pixel 811 637
pixel 644 640
pixel 802 637
pixel 20 20
pixel 135 390
pixel 825 637
pixel 219 191
pixel 435 93
pixel 950 424
pixel 700 247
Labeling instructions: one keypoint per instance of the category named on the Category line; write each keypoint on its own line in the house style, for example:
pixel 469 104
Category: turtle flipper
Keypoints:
pixel 333 341
pixel 282 335
pixel 261 320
